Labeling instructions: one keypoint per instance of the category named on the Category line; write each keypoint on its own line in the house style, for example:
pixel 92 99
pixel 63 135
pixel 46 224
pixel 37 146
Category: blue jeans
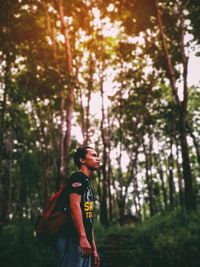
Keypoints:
pixel 69 254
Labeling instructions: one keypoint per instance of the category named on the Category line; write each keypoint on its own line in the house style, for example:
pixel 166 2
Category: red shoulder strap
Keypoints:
pixel 56 194
pixel 52 203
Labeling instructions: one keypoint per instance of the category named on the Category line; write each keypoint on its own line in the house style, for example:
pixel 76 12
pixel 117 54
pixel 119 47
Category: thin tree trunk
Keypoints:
pixel 120 201
pixel 124 191
pixel 7 82
pixel 121 205
pixel 51 31
pixel 79 94
pixel 61 156
pixel 133 178
pixel 2 126
pixel 164 191
pixel 10 178
pixel 190 200
pixel 182 106
pixel 122 196
pixel 196 143
pixel 149 179
pixel 110 181
pixel 70 92
pixel 138 207
pixel 104 218
pixel 171 70
pixel 100 195
pixel 44 152
pixel 171 178
pixel 89 89
pixel 82 113
pixel 179 173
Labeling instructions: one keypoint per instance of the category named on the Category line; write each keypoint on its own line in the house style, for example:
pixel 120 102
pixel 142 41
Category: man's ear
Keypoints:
pixel 82 160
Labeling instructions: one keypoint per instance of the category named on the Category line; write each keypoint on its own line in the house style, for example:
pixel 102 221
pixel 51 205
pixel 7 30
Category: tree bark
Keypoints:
pixel 1 151
pixel 89 90
pixel 171 177
pixel 110 176
pixel 137 193
pixel 180 179
pixel 190 202
pixel 7 83
pixel 149 180
pixel 120 199
pixel 61 157
pixel 196 144
pixel 164 191
pixel 9 149
pixel 45 156
pixel 82 113
pixel 70 92
pixel 104 207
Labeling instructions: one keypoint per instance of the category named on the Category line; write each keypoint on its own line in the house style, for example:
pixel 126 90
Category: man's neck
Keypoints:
pixel 86 171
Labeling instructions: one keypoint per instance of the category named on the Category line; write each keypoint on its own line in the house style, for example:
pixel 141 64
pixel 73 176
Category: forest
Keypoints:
pixel 115 75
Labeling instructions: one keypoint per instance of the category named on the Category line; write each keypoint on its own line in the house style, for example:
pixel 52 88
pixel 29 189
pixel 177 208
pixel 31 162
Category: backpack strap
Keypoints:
pixel 52 203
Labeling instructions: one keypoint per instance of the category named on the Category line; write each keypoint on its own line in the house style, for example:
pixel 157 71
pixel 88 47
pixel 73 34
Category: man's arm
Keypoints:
pixel 95 256
pixel 76 213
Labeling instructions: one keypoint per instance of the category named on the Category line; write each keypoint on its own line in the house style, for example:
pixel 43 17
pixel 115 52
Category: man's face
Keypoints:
pixel 91 160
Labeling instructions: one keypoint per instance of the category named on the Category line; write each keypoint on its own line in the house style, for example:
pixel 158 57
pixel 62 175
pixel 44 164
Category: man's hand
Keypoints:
pixel 95 259
pixel 85 247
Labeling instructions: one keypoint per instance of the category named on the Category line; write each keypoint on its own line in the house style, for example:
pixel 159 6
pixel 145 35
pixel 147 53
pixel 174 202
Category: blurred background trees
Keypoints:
pixel 111 74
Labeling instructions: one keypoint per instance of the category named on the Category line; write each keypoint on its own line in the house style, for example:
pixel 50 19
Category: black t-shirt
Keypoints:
pixel 79 183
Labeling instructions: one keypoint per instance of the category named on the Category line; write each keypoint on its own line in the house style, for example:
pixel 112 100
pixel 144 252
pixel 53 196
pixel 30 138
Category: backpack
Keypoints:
pixel 53 218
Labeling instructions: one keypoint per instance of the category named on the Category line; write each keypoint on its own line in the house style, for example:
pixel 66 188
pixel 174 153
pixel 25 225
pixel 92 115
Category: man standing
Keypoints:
pixel 78 248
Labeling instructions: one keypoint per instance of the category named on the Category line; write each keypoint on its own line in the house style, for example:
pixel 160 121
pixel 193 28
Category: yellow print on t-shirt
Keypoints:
pixel 88 208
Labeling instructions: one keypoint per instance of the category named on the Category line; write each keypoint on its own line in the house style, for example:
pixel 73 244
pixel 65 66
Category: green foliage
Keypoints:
pixel 33 75
pixel 167 240
pixel 19 247
pixel 194 16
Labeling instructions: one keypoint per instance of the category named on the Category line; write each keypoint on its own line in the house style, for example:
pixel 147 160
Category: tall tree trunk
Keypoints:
pixel 70 92
pixel 7 82
pixel 120 199
pixel 50 31
pixel 82 113
pixel 196 143
pixel 44 151
pixel 110 176
pixel 121 205
pixel 171 177
pixel 190 200
pixel 121 192
pixel 149 180
pixel 124 190
pixel 179 173
pixel 100 195
pixel 138 207
pixel 79 94
pixel 61 155
pixel 46 163
pixel 104 207
pixel 189 192
pixel 2 129
pixel 182 106
pixel 9 151
pixel 164 191
pixel 89 90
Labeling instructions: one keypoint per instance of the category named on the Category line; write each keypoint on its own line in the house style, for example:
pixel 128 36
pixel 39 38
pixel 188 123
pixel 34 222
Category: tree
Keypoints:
pixel 152 18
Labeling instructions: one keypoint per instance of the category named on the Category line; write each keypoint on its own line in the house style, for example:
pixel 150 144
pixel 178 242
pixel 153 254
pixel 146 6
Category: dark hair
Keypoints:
pixel 80 154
